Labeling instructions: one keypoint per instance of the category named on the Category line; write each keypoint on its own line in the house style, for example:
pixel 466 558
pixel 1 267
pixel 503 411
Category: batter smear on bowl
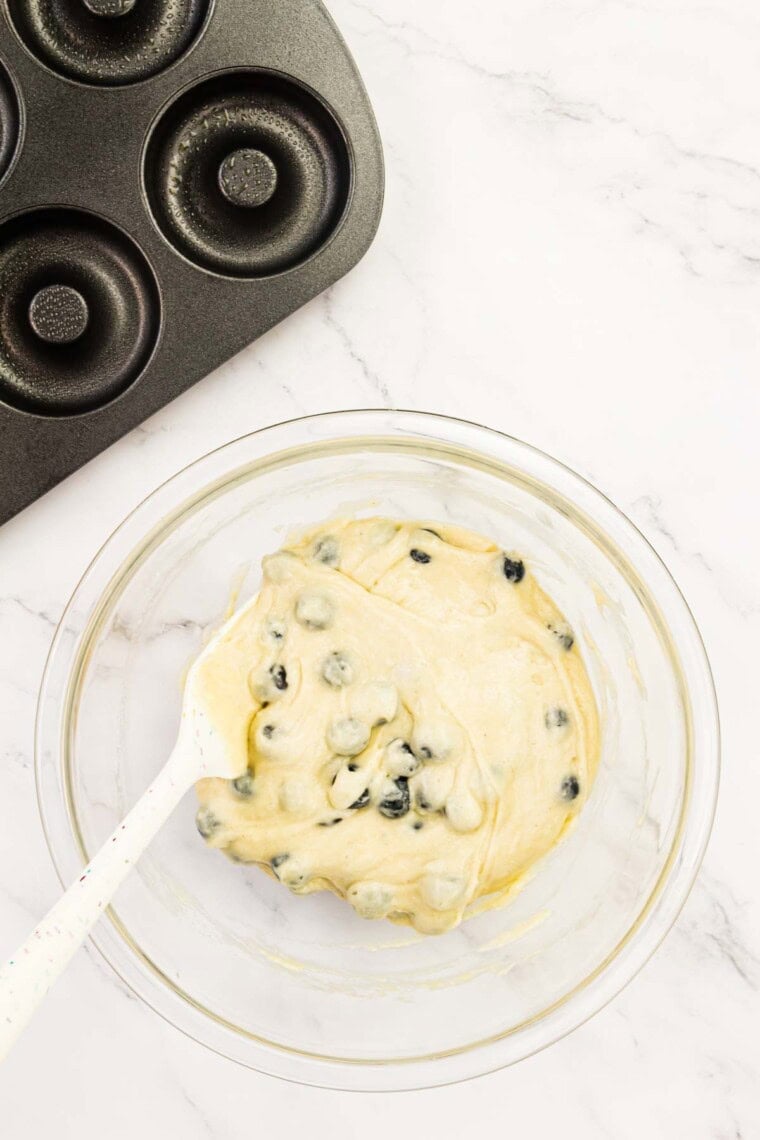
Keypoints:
pixel 422 726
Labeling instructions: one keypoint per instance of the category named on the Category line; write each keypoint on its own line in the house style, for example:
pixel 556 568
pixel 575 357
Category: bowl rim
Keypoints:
pixel 421 429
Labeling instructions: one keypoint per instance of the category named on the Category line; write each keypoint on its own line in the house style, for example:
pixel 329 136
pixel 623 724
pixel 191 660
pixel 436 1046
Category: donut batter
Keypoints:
pixel 422 726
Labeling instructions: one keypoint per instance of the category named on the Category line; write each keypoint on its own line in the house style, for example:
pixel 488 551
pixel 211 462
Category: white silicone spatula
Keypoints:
pixel 212 741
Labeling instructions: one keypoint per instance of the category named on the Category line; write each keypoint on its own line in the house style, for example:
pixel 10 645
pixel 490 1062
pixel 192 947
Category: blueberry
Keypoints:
pixel 275 630
pixel 371 900
pixel 244 785
pixel 563 635
pixel 556 718
pixel 418 825
pixel 433 739
pixel 514 570
pixel 278 861
pixel 400 759
pixel 419 556
pixel 268 686
pixel 463 811
pixel 268 731
pixel 569 788
pixel 206 822
pixel 337 670
pixel 396 802
pixel 314 611
pixel 348 737
pixel 362 801
pixel 326 550
pixel 353 767
pixel 294 873
pixel 330 822
pixel 442 891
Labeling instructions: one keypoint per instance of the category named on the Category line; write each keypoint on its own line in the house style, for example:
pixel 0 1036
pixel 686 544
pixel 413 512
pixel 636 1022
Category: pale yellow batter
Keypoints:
pixel 422 725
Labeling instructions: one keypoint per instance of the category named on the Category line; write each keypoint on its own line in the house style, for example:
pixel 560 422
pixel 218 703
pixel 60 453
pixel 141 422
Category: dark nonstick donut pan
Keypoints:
pixel 176 176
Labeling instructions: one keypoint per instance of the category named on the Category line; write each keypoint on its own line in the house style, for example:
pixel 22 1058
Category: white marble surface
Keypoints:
pixel 570 252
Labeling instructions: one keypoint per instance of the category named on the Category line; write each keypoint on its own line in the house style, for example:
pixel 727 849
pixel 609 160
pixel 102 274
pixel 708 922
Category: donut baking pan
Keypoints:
pixel 176 176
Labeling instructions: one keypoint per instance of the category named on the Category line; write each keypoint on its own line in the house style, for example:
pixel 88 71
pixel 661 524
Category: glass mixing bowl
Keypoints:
pixel 301 987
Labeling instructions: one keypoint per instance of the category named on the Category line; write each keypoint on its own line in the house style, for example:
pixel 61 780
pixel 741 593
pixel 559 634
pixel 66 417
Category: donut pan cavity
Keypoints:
pixel 176 176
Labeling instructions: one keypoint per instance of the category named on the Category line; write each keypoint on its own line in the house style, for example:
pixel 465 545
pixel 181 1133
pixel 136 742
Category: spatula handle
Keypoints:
pixel 30 972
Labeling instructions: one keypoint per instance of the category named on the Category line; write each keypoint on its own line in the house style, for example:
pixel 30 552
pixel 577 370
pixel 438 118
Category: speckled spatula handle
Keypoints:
pixel 29 974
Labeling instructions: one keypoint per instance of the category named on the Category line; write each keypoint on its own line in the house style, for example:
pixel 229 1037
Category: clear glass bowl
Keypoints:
pixel 301 987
